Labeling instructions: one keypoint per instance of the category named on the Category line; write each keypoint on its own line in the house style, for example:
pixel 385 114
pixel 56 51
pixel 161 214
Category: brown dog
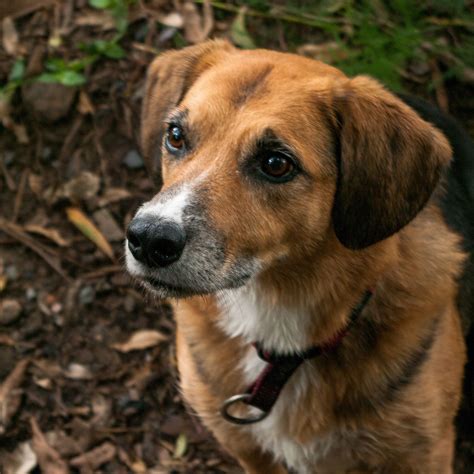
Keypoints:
pixel 299 229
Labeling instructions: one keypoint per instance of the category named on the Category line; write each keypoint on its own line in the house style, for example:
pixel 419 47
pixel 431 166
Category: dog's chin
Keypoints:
pixel 163 289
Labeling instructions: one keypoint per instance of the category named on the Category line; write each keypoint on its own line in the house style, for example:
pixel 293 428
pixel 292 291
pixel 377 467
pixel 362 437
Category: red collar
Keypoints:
pixel 264 391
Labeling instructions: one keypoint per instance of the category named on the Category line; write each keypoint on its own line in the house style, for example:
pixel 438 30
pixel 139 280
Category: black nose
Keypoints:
pixel 155 243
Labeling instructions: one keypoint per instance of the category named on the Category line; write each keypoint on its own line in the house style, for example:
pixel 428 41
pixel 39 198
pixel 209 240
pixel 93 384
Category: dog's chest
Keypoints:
pixel 245 315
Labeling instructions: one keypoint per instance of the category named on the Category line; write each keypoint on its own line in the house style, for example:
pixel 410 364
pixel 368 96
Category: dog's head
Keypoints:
pixel 263 159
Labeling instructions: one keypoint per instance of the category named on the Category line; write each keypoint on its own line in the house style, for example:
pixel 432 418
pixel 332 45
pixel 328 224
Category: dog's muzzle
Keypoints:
pixel 155 243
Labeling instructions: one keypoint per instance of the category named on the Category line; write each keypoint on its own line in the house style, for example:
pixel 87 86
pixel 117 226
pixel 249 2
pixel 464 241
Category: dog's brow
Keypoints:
pixel 252 86
pixel 177 117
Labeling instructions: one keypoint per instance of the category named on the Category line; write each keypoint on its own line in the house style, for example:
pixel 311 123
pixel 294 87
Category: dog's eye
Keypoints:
pixel 175 138
pixel 277 167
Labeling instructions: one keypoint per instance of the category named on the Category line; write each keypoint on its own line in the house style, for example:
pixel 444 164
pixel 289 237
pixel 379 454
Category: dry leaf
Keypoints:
pixel 113 195
pixel 174 19
pixel 36 183
pixel 3 282
pixel 142 339
pixel 96 457
pixel 99 18
pixel 85 105
pixel 21 461
pixel 238 31
pixel 329 52
pixel 51 234
pixel 197 28
pixel 76 371
pixel 88 228
pixel 108 225
pixel 180 446
pixel 82 188
pixel 9 395
pixel 10 36
pixel 49 459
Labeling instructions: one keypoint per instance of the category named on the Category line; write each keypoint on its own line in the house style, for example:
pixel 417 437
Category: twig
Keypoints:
pixel 440 89
pixel 19 195
pixel 289 18
pixel 8 179
pixel 100 272
pixel 17 233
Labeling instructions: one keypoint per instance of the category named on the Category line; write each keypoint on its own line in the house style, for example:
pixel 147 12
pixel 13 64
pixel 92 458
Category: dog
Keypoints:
pixel 315 235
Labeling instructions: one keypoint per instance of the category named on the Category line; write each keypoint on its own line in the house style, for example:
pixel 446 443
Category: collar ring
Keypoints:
pixel 241 397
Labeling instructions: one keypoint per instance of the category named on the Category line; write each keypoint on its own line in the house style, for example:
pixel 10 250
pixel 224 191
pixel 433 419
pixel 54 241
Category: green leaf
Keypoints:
pixel 18 71
pixel 114 51
pixel 239 34
pixel 71 78
pixel 66 78
pixel 102 4
pixel 47 77
pixel 180 446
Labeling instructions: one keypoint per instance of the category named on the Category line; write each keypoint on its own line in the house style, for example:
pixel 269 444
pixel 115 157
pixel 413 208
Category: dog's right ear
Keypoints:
pixel 169 77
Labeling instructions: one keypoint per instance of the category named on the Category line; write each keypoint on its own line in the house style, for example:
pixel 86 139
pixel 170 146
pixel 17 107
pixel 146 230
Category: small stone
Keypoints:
pixel 133 160
pixel 10 310
pixel 48 101
pixel 47 154
pixel 86 295
pixel 12 272
pixel 8 157
pixel 30 294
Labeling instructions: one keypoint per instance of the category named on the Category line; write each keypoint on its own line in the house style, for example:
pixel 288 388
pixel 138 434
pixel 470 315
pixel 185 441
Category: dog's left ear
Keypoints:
pixel 390 161
pixel 169 77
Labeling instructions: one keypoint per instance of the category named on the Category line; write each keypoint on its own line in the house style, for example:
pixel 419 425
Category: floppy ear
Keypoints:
pixel 390 161
pixel 169 77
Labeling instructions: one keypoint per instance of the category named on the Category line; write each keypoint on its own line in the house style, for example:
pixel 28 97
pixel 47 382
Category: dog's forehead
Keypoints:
pixel 255 82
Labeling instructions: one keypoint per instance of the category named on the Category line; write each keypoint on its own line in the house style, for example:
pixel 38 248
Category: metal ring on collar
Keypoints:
pixel 242 397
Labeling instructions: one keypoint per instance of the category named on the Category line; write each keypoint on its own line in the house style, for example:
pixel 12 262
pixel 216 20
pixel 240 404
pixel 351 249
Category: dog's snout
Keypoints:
pixel 156 244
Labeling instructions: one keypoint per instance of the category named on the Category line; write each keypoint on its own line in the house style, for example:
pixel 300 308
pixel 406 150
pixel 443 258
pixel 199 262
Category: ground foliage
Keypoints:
pixel 87 369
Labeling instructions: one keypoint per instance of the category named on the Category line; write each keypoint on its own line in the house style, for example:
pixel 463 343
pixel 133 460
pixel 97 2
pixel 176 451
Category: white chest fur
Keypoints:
pixel 246 314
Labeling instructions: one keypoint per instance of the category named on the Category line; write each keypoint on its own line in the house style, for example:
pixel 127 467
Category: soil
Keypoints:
pixel 77 393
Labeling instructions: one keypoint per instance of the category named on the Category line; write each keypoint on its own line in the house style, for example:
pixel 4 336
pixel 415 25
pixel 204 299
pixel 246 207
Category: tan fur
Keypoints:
pixel 412 272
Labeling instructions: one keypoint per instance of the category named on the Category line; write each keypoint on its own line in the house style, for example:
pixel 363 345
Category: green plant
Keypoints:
pixel 15 79
pixel 118 10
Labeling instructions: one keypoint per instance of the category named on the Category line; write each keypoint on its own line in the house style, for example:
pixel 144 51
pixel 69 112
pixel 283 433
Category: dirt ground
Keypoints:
pixel 88 377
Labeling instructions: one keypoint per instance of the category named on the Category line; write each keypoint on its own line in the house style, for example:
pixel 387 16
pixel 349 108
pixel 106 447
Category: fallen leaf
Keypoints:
pixel 76 371
pixel 88 228
pixel 3 282
pixel 36 183
pixel 10 395
pixel 329 52
pixel 6 340
pixel 108 225
pixel 81 188
pixel 21 461
pixel 51 234
pixel 96 457
pixel 10 36
pixel 197 28
pixel 142 339
pixel 112 195
pixel 173 20
pixel 238 32
pixel 85 105
pixel 49 459
pixel 22 7
pixel 181 446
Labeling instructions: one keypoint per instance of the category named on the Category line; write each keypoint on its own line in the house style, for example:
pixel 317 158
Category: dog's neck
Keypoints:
pixel 286 314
